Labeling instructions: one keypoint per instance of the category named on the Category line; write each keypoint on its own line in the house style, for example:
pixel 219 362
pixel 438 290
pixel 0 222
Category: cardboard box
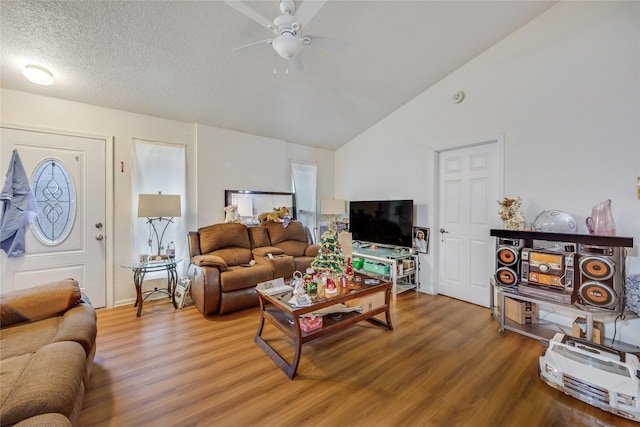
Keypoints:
pixel 408 264
pixel 368 302
pixel 310 323
pixel 522 312
pixel 579 330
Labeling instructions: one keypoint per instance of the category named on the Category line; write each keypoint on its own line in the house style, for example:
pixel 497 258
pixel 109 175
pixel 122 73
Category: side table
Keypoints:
pixel 139 271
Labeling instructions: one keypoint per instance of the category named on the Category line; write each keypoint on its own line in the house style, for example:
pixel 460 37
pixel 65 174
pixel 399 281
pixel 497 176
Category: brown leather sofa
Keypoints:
pixel 222 277
pixel 47 346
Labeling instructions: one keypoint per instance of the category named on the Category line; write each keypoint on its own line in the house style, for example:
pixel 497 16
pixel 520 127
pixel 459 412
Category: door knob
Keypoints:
pixel 98 225
pixel 442 233
pixel 99 237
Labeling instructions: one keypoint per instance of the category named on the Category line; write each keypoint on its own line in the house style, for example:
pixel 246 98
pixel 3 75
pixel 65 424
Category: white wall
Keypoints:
pixel 217 159
pixel 231 160
pixel 563 91
pixel 33 111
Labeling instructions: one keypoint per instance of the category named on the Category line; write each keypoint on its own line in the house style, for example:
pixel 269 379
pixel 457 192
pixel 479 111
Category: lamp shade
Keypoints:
pixel 159 205
pixel 333 207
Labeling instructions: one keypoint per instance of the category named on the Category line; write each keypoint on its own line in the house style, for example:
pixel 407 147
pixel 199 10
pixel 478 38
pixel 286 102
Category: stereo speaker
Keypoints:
pixel 508 261
pixel 601 277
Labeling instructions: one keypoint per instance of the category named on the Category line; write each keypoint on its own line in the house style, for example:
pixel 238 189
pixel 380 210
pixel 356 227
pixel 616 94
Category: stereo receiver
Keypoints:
pixel 548 274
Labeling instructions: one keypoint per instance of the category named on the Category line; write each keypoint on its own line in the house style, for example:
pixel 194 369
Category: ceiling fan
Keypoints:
pixel 287 29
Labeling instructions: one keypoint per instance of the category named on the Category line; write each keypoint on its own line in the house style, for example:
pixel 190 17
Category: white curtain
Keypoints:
pixel 159 167
pixel 303 177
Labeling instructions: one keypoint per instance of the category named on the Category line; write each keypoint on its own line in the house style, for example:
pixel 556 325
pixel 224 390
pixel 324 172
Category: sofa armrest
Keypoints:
pixel 49 419
pixel 78 324
pixel 205 288
pixel 312 250
pixel 210 261
pixel 38 302
pixel 193 239
pixel 266 250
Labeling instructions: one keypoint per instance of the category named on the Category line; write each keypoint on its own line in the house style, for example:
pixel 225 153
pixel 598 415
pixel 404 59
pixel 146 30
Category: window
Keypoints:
pixel 303 179
pixel 55 196
pixel 158 167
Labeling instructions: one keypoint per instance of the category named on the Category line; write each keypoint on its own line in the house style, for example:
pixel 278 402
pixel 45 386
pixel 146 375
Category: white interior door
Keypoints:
pixel 67 239
pixel 469 188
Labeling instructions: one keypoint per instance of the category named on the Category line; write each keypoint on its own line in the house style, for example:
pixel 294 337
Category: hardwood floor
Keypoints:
pixel 444 364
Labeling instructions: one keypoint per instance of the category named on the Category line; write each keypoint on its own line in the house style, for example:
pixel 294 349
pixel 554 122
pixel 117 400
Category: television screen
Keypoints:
pixel 387 222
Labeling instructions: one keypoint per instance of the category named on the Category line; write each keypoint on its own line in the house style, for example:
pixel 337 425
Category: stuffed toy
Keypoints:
pixel 275 216
pixel 231 214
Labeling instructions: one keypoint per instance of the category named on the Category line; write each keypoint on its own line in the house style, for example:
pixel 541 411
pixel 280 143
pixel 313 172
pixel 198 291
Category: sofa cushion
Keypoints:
pixel 312 251
pixel 266 250
pixel 294 231
pixel 293 247
pixel 76 324
pixel 259 236
pixel 38 302
pixel 234 256
pixel 28 337
pixel 218 236
pixel 209 261
pixel 48 380
pixel 303 262
pixel 244 277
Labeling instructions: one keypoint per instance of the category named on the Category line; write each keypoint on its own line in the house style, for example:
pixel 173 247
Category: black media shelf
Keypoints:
pixel 587 239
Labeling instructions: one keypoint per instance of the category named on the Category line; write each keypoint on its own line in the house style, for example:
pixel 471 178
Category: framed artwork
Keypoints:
pixel 421 239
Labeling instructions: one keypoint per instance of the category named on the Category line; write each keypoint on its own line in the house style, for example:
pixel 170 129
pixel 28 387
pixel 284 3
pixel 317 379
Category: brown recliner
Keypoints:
pixel 293 240
pixel 221 279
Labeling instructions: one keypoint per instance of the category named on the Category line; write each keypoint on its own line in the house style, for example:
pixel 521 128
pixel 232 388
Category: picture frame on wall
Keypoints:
pixel 420 239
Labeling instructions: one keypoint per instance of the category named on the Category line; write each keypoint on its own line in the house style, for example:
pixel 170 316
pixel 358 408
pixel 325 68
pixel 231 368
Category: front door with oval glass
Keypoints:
pixel 67 238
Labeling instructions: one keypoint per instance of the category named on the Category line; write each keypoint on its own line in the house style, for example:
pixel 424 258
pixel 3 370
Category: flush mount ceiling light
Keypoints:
pixel 38 75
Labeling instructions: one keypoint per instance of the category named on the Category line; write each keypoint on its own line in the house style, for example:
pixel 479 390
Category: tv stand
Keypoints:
pixel 403 279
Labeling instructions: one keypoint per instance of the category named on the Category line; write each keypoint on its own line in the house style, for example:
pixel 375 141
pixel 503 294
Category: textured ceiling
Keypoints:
pixel 174 59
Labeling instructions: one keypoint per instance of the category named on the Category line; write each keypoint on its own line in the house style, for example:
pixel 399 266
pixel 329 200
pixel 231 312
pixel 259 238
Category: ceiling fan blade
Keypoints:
pixel 308 10
pixel 295 64
pixel 328 43
pixel 248 12
pixel 266 41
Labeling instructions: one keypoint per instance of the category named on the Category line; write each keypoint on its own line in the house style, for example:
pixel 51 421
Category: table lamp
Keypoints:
pixel 332 209
pixel 158 207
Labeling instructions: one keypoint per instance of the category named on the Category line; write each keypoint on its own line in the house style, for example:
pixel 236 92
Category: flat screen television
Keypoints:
pixel 388 222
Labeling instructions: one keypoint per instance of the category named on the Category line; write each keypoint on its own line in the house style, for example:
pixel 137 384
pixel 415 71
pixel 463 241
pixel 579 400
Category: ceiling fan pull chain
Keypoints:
pixel 274 62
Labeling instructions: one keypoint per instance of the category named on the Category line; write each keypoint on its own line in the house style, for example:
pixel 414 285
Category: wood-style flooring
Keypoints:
pixel 444 364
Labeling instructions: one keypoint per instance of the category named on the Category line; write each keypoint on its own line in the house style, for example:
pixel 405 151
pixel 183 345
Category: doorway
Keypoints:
pixel 469 186
pixel 68 175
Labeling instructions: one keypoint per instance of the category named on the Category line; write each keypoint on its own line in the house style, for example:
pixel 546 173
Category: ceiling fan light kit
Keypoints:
pixel 287 28
pixel 287 45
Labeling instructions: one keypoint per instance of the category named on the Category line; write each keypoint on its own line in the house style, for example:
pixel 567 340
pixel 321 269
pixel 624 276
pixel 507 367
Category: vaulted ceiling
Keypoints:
pixel 175 59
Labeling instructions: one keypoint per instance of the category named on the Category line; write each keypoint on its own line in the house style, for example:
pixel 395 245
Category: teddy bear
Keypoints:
pixel 277 215
pixel 231 214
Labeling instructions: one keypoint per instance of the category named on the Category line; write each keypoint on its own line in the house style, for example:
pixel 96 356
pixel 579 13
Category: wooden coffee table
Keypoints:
pixel 374 299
